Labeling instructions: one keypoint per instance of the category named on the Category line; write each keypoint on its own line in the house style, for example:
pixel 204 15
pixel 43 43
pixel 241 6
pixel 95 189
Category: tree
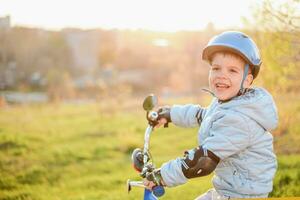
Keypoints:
pixel 278 37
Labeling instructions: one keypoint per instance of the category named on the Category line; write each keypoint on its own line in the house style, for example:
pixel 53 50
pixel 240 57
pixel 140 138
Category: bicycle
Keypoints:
pixel 142 159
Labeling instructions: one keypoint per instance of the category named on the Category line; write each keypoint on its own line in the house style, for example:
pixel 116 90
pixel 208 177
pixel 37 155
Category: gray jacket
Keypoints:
pixel 238 133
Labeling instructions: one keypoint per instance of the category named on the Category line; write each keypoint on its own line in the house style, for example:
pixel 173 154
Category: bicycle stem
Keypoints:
pixel 146 143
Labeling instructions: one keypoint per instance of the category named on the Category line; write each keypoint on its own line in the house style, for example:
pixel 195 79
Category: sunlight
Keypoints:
pixel 161 42
pixel 132 14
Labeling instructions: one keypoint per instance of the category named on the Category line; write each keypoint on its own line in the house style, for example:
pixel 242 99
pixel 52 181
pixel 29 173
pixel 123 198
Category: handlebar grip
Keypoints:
pixel 158 191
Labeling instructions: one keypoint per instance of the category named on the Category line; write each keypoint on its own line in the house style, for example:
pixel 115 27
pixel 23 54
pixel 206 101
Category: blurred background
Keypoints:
pixel 73 76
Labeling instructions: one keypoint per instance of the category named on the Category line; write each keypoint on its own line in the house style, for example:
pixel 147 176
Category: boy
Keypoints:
pixel 234 139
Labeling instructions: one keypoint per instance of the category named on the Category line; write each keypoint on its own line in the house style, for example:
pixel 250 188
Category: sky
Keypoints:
pixel 156 15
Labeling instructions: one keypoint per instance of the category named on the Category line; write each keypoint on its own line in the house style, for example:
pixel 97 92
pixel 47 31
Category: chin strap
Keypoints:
pixel 209 91
pixel 242 89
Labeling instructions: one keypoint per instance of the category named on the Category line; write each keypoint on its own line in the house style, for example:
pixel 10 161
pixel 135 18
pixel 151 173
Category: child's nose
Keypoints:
pixel 221 74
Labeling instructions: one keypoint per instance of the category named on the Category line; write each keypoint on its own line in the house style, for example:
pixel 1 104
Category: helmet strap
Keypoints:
pixel 208 91
pixel 242 89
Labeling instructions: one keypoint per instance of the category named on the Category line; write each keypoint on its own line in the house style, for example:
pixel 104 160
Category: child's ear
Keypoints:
pixel 248 81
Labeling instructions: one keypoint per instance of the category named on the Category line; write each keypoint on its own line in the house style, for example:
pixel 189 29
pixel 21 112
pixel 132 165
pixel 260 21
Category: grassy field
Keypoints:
pixel 68 152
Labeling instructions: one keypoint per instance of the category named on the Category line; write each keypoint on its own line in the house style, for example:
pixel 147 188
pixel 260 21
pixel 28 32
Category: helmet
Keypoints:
pixel 235 42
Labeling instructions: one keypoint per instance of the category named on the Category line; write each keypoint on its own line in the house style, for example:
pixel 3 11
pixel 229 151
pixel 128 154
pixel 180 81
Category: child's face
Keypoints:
pixel 226 74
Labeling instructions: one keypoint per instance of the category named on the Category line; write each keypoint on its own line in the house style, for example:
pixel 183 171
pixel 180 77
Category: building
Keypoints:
pixel 5 22
pixel 84 47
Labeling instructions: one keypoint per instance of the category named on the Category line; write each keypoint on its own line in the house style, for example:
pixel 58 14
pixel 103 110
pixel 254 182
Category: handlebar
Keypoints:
pixel 157 191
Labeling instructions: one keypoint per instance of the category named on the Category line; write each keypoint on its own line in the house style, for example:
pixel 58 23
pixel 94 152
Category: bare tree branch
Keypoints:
pixel 287 17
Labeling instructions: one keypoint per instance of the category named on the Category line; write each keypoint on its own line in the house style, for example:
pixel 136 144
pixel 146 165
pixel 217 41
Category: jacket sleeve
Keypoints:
pixel 172 174
pixel 187 115
pixel 228 135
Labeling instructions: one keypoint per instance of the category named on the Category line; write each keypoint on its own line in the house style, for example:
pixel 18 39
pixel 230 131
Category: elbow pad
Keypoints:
pixel 198 162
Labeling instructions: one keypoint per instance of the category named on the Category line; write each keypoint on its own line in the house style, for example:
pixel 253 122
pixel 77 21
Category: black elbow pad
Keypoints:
pixel 199 162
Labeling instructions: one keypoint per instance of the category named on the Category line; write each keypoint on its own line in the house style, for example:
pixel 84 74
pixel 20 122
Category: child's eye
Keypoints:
pixel 233 71
pixel 215 68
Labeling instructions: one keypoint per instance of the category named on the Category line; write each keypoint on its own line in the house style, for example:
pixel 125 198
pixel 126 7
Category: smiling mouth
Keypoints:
pixel 221 86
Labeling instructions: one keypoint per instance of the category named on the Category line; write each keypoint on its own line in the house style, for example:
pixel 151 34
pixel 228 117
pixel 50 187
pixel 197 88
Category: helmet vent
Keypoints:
pixel 244 36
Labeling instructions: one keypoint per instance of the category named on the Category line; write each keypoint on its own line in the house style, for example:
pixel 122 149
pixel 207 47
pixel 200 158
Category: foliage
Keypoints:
pixel 40 52
pixel 287 179
pixel 277 35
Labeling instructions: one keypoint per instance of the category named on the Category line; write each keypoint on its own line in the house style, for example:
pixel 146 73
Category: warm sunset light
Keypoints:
pixel 84 83
pixel 167 15
pixel 161 42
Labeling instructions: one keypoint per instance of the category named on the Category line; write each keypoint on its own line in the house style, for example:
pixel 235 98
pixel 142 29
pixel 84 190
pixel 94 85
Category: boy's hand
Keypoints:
pixel 153 179
pixel 164 116
pixel 161 121
pixel 149 184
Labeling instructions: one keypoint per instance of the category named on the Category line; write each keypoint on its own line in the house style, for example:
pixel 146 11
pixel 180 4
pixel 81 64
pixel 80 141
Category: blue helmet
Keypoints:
pixel 235 42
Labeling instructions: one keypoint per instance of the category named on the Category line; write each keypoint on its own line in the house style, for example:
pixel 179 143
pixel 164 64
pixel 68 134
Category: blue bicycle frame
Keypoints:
pixel 148 195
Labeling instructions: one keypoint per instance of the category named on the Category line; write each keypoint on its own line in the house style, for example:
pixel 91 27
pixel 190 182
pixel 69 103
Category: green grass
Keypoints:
pixel 68 152
pixel 287 179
